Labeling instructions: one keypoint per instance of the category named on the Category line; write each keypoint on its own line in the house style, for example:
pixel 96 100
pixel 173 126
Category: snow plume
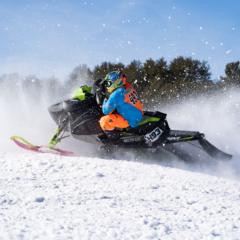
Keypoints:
pixel 218 117
pixel 23 112
pixel 23 104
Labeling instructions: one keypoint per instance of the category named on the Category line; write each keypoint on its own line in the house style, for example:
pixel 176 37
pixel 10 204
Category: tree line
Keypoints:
pixel 155 80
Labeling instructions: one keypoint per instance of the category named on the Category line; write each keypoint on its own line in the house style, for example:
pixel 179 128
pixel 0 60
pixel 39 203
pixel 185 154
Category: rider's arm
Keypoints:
pixel 115 99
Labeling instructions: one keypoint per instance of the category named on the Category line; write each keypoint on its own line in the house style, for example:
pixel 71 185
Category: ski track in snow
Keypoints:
pixel 43 196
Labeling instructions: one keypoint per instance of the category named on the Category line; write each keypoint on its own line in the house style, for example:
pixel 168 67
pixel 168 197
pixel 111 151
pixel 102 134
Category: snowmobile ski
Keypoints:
pixel 23 143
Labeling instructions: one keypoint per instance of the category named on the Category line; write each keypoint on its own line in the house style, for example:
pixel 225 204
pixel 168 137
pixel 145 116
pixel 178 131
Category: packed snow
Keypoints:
pixel 51 197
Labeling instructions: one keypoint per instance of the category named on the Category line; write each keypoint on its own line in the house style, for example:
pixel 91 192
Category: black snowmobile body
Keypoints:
pixel 81 120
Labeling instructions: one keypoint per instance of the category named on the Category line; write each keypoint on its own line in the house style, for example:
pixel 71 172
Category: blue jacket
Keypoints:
pixel 117 102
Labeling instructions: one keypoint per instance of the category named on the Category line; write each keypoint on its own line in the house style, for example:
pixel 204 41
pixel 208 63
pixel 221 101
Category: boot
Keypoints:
pixel 112 135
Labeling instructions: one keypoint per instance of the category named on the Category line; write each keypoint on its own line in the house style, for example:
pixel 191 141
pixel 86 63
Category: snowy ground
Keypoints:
pixel 51 197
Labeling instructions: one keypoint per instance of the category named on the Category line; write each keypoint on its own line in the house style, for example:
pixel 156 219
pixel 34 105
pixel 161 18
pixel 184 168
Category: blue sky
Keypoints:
pixel 51 37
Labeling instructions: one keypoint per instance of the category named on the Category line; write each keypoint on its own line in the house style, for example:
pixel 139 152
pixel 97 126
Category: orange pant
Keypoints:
pixel 111 121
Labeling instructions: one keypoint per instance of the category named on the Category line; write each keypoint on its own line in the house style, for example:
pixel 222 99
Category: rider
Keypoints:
pixel 121 108
pixel 121 105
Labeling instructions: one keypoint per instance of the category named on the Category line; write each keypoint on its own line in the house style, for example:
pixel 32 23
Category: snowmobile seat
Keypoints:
pixel 151 117
pixel 150 121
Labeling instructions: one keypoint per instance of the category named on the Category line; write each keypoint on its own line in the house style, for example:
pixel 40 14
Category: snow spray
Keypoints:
pixel 24 112
pixel 218 117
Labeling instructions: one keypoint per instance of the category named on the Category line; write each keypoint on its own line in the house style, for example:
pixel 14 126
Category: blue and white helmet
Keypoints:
pixel 114 80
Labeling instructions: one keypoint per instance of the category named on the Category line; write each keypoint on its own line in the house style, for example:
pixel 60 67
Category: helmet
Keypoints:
pixel 114 80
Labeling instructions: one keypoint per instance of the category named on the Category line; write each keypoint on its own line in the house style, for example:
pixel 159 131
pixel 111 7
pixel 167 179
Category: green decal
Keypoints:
pixel 80 93
pixel 148 120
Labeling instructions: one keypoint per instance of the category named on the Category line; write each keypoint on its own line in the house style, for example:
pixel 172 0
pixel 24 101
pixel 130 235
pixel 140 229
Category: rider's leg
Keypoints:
pixel 112 121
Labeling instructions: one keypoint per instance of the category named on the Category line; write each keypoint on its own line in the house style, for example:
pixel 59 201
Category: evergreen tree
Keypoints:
pixel 232 71
pixel 187 69
pixel 134 74
pixel 160 78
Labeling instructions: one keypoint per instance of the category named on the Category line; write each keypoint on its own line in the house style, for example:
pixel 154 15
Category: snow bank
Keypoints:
pixel 50 197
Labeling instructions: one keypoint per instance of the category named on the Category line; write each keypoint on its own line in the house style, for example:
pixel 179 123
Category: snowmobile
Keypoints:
pixel 79 118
